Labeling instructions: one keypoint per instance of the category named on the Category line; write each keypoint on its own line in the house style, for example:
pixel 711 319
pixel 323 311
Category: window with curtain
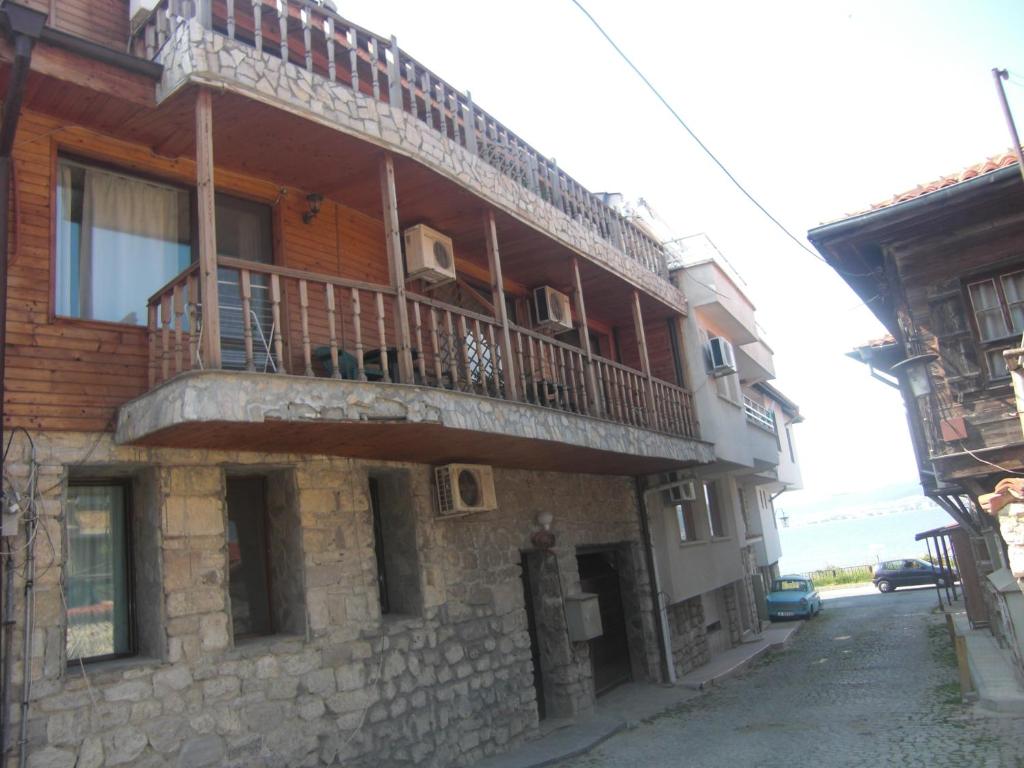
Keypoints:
pixel 96 573
pixel 119 239
pixel 998 305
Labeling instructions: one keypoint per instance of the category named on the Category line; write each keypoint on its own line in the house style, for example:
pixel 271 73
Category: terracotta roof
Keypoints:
pixel 885 341
pixel 994 163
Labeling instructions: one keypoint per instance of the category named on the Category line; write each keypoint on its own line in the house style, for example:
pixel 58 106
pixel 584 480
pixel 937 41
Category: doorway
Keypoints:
pixel 609 653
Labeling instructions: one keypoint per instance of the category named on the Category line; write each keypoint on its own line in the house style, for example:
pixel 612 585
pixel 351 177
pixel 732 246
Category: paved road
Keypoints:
pixel 870 682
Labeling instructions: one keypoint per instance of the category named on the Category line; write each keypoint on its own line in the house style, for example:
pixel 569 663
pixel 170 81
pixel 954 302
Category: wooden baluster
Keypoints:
pixel 453 355
pixel 522 368
pixel 307 37
pixel 151 325
pixel 567 378
pixel 603 403
pixel 231 19
pixel 539 393
pixel 496 363
pixel 257 24
pixel 549 356
pixel 245 290
pixel 478 341
pixel 352 41
pixel 608 384
pixel 275 313
pixel 332 329
pixel 469 124
pixel 395 78
pixel 422 81
pixel 382 338
pixel 570 356
pixel 179 326
pixel 581 391
pixel 375 67
pixel 451 102
pixel 307 357
pixel 161 33
pixel 332 69
pixel 193 314
pixel 435 342
pixel 464 351
pixel 282 20
pixel 165 335
pixel 421 361
pixel 358 330
pixel 627 410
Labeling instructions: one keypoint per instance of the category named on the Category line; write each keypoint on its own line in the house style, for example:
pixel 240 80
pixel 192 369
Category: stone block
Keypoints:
pixel 213 631
pixel 124 745
pixel 133 690
pixel 51 757
pixel 202 752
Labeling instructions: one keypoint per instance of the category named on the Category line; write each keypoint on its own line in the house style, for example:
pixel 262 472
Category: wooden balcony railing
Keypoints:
pixel 313 37
pixel 279 320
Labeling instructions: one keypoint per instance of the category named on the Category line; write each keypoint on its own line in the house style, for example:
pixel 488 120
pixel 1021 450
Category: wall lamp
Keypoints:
pixel 915 369
pixel 314 199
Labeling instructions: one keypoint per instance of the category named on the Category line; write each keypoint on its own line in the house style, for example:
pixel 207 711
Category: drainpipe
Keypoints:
pixel 23 26
pixel 664 636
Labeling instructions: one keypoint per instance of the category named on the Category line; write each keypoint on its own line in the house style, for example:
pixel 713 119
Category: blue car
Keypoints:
pixel 793 597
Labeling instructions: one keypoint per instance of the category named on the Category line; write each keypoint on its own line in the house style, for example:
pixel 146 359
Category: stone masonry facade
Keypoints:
pixel 689 636
pixel 344 685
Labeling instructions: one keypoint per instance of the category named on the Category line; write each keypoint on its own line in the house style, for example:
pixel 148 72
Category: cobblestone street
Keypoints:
pixel 870 682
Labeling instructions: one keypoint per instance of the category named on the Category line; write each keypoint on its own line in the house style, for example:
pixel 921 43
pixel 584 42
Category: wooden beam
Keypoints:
pixel 206 206
pixel 500 310
pixel 645 360
pixel 396 269
pixel 581 313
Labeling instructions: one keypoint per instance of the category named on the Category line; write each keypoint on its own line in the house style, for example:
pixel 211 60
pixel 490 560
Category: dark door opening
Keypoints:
pixel 609 653
pixel 527 559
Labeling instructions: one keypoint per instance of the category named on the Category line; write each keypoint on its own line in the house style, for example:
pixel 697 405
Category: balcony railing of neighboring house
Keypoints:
pixel 279 320
pixel 758 415
pixel 312 36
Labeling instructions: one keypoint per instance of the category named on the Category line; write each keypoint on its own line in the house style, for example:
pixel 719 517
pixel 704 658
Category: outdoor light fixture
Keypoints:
pixel 916 370
pixel 314 201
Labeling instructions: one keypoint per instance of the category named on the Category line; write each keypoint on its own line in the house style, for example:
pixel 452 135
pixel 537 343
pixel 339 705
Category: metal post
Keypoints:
pixel 949 567
pixel 928 544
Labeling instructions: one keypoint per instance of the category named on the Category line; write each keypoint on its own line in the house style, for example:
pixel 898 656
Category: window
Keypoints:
pixel 684 516
pixel 97 575
pixel 998 305
pixel 119 239
pixel 712 502
pixel 394 543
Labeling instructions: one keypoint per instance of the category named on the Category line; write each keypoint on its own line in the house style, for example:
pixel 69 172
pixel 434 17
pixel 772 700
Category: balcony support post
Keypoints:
pixel 393 242
pixel 210 343
pixel 590 381
pixel 645 361
pixel 500 310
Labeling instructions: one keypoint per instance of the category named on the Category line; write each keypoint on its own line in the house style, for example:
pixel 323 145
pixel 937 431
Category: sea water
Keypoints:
pixel 857 540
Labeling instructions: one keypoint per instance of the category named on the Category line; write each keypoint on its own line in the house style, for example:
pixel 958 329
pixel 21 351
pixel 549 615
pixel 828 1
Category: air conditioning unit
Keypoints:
pixel 682 491
pixel 463 489
pixel 429 255
pixel 139 11
pixel 721 357
pixel 553 311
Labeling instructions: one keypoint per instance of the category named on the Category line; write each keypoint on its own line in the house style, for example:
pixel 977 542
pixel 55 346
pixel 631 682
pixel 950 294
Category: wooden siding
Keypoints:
pixel 99 21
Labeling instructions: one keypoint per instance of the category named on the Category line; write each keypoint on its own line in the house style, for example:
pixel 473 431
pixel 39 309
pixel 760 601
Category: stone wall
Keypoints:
pixel 445 687
pixel 689 636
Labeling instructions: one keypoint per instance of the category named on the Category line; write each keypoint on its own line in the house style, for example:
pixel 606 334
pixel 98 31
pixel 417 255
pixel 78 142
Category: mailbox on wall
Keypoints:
pixel 583 615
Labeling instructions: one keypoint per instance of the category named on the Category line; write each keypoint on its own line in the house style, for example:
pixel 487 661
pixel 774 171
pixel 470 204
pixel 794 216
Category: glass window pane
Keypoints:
pixel 1013 289
pixel 684 516
pixel 96 573
pixel 988 311
pixel 119 239
pixel 997 364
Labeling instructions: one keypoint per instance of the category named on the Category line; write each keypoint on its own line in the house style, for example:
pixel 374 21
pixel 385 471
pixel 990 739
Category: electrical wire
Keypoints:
pixel 782 227
pixel 978 458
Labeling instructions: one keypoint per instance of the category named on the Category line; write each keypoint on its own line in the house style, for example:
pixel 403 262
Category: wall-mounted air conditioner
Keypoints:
pixel 553 311
pixel 140 10
pixel 721 357
pixel 463 489
pixel 429 255
pixel 684 490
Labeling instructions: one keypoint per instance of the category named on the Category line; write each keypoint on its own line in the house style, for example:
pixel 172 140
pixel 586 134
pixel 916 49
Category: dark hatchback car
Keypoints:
pixel 910 573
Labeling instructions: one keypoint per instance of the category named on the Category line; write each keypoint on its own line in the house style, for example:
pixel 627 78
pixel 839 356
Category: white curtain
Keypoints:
pixel 67 245
pixel 1013 288
pixel 985 299
pixel 130 245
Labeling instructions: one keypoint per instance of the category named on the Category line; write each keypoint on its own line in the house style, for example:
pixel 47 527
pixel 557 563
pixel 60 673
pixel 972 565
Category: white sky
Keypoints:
pixel 820 108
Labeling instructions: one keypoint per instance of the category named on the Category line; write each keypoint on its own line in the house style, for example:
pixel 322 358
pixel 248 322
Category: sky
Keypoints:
pixel 819 108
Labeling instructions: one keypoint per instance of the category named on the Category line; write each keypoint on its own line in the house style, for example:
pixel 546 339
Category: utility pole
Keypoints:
pixel 1014 357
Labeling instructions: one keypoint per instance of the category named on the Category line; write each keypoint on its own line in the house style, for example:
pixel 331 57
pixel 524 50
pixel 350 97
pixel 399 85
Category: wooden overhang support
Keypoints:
pixel 207 229
pixel 500 310
pixel 590 381
pixel 396 269
pixel 645 361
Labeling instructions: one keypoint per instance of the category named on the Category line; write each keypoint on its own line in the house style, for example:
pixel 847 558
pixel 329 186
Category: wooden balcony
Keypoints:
pixel 314 363
pixel 335 52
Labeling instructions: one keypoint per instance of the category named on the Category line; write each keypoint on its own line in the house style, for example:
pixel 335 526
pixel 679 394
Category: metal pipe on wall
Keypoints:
pixel 664 636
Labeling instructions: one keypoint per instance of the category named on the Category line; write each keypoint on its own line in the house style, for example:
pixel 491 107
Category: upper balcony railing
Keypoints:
pixel 758 415
pixel 279 320
pixel 312 36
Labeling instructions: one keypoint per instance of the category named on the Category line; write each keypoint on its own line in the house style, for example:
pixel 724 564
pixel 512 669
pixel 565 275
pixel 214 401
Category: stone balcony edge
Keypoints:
pixel 199 56
pixel 254 398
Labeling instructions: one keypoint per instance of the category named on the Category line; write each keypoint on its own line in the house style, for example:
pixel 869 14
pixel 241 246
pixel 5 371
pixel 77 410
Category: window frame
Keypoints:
pixel 986 347
pixel 684 515
pixel 127 487
pixel 712 493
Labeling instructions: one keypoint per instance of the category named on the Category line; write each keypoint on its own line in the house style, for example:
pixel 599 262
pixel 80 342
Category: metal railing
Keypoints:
pixel 312 36
pixel 758 415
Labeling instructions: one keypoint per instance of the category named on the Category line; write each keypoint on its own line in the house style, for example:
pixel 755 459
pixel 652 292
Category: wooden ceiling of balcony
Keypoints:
pixel 419 443
pixel 270 144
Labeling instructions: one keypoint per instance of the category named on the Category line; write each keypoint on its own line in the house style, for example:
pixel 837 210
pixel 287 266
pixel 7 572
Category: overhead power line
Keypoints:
pixel 782 227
